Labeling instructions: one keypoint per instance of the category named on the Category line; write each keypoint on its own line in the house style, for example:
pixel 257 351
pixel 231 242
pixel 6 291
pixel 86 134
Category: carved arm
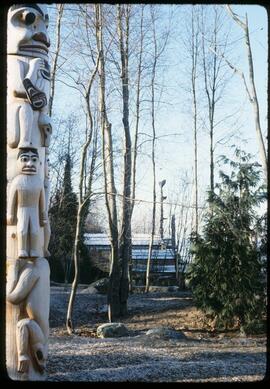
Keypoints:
pixel 42 208
pixel 26 282
pixel 11 204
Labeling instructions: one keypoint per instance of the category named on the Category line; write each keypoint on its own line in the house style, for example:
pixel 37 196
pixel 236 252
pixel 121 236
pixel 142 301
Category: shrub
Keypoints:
pixel 226 272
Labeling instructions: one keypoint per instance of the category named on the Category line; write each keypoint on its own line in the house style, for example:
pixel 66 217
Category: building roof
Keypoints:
pixel 103 239
pixel 159 254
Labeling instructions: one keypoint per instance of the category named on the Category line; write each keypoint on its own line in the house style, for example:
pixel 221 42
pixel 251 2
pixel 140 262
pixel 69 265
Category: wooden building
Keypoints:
pixel 163 260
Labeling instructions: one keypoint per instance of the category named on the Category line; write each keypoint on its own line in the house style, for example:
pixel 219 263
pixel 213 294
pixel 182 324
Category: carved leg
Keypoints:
pixel 22 245
pixel 22 233
pixel 34 244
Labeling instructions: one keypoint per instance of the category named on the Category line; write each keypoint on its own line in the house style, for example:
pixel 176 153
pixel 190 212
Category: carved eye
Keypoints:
pixel 46 20
pixel 24 159
pixel 28 17
pixel 34 159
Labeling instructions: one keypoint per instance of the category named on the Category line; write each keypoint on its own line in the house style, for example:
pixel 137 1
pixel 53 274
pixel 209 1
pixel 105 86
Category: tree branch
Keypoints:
pixel 239 72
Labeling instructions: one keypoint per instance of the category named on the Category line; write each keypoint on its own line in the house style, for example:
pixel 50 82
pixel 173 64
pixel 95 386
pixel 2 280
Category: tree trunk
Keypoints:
pixel 108 169
pixel 252 94
pixel 135 147
pixel 83 201
pixel 60 9
pixel 69 323
pixel 148 267
pixel 194 54
pixel 255 103
pixel 125 236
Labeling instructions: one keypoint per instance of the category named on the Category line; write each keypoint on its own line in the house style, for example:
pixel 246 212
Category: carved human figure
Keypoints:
pixel 28 75
pixel 26 200
pixel 28 285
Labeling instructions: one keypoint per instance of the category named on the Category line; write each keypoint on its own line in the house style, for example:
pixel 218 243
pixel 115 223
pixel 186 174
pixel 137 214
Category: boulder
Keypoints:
pixel 173 288
pixel 112 330
pixel 101 285
pixel 165 333
pixel 90 290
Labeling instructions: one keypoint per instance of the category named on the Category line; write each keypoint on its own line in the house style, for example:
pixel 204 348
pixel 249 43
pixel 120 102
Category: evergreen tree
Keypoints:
pixel 56 266
pixel 226 273
pixel 63 223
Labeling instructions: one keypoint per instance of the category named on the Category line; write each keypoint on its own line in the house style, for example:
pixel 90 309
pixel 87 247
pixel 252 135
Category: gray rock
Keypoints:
pixel 101 285
pixel 90 290
pixel 173 288
pixel 112 330
pixel 165 333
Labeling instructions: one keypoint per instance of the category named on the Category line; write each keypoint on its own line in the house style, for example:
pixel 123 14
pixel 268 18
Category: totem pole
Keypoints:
pixel 28 230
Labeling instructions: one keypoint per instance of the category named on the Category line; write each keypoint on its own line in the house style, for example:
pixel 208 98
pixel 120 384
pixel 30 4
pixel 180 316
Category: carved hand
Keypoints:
pixel 43 219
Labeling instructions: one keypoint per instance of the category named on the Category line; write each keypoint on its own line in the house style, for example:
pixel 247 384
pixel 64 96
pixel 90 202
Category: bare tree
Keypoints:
pixel 83 200
pixel 153 144
pixel 83 197
pixel 138 104
pixel 108 168
pixel 60 10
pixel 251 91
pixel 123 16
pixel 136 132
pixel 194 74
pixel 214 78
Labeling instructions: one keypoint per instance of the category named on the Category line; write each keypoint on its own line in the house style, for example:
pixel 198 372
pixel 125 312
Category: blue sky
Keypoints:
pixel 175 154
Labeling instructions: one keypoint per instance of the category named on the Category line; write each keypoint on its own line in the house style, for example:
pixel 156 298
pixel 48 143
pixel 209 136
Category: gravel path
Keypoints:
pixel 79 358
pixel 141 358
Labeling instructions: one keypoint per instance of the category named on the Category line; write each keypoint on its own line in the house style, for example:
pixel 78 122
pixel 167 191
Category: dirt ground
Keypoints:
pixel 203 355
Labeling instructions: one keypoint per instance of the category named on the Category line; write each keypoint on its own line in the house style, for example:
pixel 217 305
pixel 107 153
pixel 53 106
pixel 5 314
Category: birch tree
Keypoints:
pixel 85 191
pixel 83 201
pixel 108 169
pixel 158 49
pixel 194 75
pixel 123 17
pixel 251 90
pixel 60 10
pixel 138 106
pixel 213 75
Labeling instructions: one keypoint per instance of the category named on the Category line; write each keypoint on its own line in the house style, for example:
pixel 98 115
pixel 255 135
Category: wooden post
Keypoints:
pixel 162 198
pixel 28 230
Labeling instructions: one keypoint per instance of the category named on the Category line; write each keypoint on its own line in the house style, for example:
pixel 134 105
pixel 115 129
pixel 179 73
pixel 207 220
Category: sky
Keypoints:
pixel 174 152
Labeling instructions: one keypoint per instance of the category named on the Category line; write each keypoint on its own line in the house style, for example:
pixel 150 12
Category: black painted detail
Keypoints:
pixel 36 98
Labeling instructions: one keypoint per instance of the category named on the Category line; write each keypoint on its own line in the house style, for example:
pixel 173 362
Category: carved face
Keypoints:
pixel 27 30
pixel 28 162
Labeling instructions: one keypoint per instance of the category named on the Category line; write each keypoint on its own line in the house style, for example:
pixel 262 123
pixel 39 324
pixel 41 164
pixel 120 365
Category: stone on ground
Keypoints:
pixel 99 286
pixel 112 330
pixel 165 333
